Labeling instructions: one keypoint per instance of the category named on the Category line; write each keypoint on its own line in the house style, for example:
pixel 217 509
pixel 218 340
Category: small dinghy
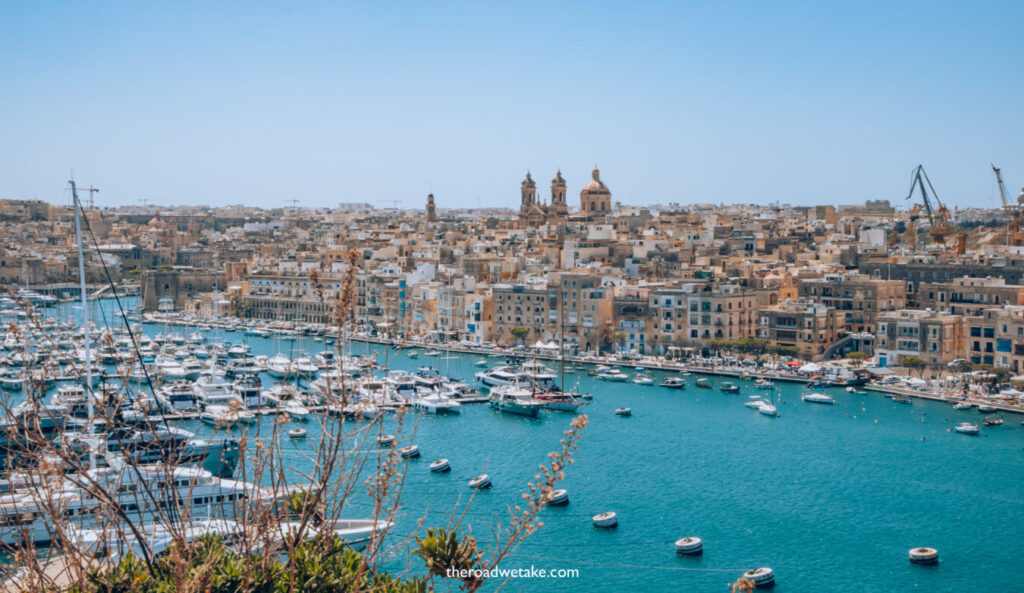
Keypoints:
pixel 410 452
pixel 297 433
pixel 440 466
pixel 623 412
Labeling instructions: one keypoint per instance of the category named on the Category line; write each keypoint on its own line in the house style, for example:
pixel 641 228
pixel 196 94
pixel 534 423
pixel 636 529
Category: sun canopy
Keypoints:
pixel 809 368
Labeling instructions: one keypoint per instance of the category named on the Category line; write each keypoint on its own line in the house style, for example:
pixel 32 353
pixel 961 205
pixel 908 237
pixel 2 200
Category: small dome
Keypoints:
pixel 595 183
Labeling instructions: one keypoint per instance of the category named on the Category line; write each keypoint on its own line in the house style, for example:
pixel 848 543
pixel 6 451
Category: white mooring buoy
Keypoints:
pixel 761 577
pixel 606 520
pixel 924 555
pixel 689 546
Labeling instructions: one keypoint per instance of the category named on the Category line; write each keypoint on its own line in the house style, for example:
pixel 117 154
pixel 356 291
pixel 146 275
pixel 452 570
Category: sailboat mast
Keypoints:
pixel 84 295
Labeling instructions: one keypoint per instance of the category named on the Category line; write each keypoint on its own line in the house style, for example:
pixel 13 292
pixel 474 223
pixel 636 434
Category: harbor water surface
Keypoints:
pixel 831 497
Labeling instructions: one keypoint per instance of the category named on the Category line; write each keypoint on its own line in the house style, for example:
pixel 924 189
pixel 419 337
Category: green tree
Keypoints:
pixel 857 357
pixel 519 333
pixel 915 364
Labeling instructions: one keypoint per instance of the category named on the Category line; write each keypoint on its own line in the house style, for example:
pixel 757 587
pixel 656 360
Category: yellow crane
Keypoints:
pixel 938 214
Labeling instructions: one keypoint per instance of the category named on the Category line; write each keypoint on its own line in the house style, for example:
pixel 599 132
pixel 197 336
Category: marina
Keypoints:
pixel 846 480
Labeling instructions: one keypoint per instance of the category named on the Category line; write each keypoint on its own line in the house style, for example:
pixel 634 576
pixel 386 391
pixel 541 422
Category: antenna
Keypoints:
pixel 394 203
pixel 294 202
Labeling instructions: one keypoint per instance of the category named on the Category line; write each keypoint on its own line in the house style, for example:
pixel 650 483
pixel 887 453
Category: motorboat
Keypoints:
pixel 279 366
pixel 177 396
pixel 729 387
pixel 11 382
pixel 993 422
pixel 563 402
pixel 437 403
pixel 967 428
pixel 143 492
pixel 704 383
pixel 306 367
pixel 226 416
pixel 170 369
pixel 818 398
pixel 515 400
pixel 614 375
pixel 481 363
pixel 325 359
pixel 986 408
pixel 214 390
pixel 673 383
pixel 249 389
pixel 642 379
pixel 963 406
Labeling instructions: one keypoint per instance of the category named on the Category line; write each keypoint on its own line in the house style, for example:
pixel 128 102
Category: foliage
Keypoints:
pixel 442 550
pixel 319 565
pixel 519 333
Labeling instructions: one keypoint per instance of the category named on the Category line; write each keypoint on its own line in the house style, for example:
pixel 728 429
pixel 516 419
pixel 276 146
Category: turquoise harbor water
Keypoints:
pixel 831 497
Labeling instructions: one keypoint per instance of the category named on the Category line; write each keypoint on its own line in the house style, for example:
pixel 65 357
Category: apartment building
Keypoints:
pixel 860 299
pixel 934 336
pixel 969 296
pixel 810 327
pixel 724 313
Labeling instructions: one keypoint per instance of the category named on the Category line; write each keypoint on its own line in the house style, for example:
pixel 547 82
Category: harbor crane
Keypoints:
pixel 937 213
pixel 1012 234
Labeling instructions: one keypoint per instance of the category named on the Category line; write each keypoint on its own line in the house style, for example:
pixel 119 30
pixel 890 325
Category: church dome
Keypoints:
pixel 595 184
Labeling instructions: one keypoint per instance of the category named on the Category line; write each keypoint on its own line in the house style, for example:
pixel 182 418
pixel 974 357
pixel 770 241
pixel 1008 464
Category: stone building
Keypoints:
pixel 595 197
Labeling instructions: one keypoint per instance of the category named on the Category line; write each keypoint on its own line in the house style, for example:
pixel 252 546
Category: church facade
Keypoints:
pixel 595 200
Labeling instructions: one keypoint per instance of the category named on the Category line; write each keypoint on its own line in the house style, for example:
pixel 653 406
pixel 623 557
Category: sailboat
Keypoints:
pixel 767 405
pixel 565 401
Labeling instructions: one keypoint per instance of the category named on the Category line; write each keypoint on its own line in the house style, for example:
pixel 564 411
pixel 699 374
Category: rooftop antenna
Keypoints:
pixel 394 203
pixel 294 202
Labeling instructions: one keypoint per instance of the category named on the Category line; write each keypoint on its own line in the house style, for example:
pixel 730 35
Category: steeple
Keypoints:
pixel 529 193
pixel 558 190
pixel 431 209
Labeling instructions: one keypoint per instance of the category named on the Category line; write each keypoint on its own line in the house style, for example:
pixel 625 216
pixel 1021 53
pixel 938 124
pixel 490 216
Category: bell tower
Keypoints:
pixel 529 194
pixel 558 203
pixel 431 209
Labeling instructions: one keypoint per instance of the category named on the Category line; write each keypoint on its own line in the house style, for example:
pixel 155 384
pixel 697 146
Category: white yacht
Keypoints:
pixel 142 492
pixel 515 400
pixel 170 369
pixel 226 416
pixel 437 403
pixel 177 396
pixel 214 390
pixel 818 398
pixel 305 366
pixel 279 366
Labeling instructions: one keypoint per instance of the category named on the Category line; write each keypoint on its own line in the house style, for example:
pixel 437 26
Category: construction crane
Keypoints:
pixel 1012 234
pixel 938 214
pixel 92 192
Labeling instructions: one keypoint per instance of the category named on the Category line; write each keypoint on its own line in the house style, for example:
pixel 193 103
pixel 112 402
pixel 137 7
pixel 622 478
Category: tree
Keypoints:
pixel 915 364
pixel 519 333
pixel 857 357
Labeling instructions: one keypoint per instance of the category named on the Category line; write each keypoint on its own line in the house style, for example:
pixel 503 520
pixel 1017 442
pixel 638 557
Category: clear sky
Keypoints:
pixel 245 102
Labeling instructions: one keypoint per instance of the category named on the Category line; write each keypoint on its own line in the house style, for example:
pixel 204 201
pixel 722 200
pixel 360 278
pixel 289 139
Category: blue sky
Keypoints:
pixel 736 102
